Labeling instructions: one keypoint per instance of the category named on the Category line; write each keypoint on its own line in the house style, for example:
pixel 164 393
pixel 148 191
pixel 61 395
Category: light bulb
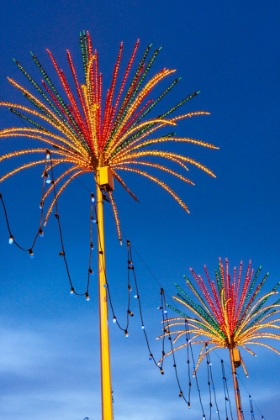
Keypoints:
pixel 114 320
pixel 136 296
pixel 31 253
pixel 41 233
pixel 72 290
pixel 92 197
pixel 143 327
pixel 48 154
pixel 87 296
pixel 126 333
pixel 11 239
pixel 90 271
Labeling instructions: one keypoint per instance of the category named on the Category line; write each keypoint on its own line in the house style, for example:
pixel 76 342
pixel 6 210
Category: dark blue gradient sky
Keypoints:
pixel 230 51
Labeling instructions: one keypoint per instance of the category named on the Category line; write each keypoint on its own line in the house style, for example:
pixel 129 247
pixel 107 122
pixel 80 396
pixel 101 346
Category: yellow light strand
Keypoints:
pixel 59 193
pixel 27 166
pixel 58 123
pixel 116 217
pixel 161 183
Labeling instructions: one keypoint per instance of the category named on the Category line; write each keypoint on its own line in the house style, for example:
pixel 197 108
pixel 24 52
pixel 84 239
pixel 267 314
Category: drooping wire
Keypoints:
pixel 188 361
pixel 129 312
pixel 226 393
pixel 211 383
pixel 39 232
pixel 166 329
pixel 251 408
pixel 195 376
pixel 62 253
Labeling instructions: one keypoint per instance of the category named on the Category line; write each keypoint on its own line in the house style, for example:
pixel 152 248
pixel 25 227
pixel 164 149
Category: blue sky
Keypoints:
pixel 49 339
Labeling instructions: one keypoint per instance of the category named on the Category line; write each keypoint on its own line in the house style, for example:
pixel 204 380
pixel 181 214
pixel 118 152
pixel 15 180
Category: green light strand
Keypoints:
pixel 24 117
pixel 188 98
pixel 83 45
pixel 256 292
pixel 156 101
pixel 251 288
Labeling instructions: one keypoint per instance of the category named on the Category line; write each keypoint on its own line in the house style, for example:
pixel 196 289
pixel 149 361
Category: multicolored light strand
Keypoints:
pixel 229 312
pixel 89 131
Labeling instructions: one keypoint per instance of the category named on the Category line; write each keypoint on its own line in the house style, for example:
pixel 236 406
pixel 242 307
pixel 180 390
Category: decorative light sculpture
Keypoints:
pixel 101 135
pixel 229 313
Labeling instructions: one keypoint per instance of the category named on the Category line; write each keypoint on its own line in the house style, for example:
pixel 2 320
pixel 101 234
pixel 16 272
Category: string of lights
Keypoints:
pixel 226 393
pixel 211 385
pixel 39 232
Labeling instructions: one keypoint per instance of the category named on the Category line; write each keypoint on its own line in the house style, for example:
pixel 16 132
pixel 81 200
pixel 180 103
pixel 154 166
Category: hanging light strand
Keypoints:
pixel 210 379
pixel 226 393
pixel 39 232
pixel 62 253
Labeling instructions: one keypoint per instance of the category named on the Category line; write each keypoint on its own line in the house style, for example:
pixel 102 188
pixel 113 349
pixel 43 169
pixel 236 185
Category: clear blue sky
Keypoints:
pixel 230 51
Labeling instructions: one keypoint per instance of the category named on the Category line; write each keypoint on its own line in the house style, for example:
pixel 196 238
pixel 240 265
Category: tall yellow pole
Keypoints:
pixel 106 387
pixel 236 386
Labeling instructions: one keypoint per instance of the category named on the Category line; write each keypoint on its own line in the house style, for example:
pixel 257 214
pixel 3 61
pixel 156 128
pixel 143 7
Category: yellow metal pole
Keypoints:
pixel 106 387
pixel 236 387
